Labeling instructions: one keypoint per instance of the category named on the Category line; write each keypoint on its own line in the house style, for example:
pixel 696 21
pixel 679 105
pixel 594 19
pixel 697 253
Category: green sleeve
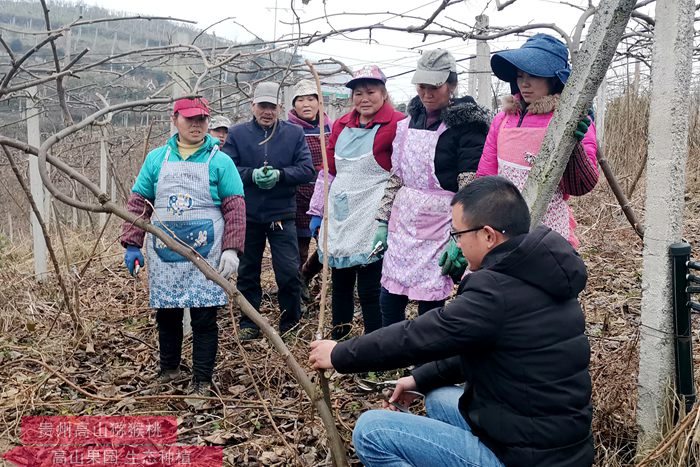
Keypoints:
pixel 228 179
pixel 145 184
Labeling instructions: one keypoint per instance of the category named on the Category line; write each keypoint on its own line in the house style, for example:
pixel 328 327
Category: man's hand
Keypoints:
pixel 320 356
pixel 399 396
pixel 266 177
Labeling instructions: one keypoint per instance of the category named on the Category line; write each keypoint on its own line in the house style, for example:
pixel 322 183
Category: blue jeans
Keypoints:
pixel 397 439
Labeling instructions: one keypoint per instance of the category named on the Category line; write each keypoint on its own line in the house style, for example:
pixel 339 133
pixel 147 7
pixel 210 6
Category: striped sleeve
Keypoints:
pixel 141 207
pixel 233 210
pixel 581 174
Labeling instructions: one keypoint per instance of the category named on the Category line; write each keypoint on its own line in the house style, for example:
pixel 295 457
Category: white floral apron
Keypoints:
pixel 353 199
pixel 420 219
pixel 184 207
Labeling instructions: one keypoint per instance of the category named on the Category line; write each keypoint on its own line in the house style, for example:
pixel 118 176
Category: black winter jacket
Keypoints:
pixel 286 151
pixel 515 335
pixel 460 146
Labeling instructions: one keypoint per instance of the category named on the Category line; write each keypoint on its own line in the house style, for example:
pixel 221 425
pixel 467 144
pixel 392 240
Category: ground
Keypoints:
pixel 262 416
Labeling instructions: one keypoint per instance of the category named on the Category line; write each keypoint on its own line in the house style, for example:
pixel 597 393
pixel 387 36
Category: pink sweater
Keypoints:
pixel 581 174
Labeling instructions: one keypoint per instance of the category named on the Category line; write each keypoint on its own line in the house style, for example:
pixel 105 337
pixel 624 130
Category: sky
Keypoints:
pixel 394 52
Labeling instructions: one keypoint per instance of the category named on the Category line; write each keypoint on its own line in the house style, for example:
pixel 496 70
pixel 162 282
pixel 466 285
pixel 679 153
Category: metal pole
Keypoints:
pixel 680 256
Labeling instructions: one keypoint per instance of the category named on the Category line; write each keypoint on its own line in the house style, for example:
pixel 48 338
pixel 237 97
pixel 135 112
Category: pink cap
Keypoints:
pixel 191 107
pixel 366 72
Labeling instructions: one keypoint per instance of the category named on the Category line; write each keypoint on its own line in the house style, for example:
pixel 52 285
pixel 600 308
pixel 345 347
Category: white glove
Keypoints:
pixel 228 264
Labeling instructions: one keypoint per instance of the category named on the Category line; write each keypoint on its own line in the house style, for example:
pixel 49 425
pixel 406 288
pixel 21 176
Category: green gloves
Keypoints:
pixel 381 236
pixel 583 125
pixel 266 177
pixel 452 262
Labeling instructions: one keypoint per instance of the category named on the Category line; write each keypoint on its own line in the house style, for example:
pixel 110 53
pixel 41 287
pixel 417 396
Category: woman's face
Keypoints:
pixel 191 130
pixel 434 97
pixel 306 107
pixel 531 87
pixel 368 98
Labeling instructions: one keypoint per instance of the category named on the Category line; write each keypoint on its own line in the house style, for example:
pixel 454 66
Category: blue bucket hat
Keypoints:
pixel 542 55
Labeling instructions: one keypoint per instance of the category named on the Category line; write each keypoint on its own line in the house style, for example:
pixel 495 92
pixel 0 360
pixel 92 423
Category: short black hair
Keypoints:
pixel 496 202
pixel 452 78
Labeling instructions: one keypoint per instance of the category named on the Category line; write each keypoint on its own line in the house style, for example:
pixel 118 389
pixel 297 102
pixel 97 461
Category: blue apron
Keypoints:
pixel 184 209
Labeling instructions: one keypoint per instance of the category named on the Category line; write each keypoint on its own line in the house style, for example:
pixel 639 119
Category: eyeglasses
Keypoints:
pixel 456 234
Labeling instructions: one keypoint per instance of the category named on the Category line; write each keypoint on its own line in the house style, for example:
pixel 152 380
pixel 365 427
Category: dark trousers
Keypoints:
pixel 394 307
pixel 310 265
pixel 368 285
pixel 205 340
pixel 285 263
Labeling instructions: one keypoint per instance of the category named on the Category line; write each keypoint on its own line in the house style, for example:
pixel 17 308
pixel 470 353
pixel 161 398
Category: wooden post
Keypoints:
pixel 592 63
pixel 666 165
pixel 482 65
pixel 36 186
pixel 103 173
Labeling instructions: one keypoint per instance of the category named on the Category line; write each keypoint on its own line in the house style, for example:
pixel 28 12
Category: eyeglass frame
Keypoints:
pixel 455 235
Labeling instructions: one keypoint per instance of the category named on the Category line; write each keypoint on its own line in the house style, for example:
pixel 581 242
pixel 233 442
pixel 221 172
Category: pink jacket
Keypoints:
pixel 581 174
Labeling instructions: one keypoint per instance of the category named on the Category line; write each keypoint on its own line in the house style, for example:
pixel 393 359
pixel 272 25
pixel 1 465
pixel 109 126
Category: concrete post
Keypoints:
pixel 483 67
pixel 600 113
pixel 182 77
pixel 663 225
pixel 37 187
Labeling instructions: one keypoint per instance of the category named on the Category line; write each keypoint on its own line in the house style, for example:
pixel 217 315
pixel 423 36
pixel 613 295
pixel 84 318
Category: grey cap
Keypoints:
pixel 434 66
pixel 305 87
pixel 219 121
pixel 267 91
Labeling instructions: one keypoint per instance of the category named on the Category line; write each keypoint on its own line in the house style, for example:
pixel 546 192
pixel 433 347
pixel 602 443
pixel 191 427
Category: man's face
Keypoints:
pixel 191 130
pixel 221 133
pixel 265 113
pixel 474 245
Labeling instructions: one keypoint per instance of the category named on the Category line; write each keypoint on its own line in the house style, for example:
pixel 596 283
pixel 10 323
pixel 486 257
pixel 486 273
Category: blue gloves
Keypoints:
pixel 315 225
pixel 132 255
pixel 582 127
pixel 453 262
pixel 266 177
pixel 381 236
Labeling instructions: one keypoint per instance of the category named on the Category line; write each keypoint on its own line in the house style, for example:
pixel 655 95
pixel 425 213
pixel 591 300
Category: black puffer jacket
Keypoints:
pixel 459 147
pixel 515 335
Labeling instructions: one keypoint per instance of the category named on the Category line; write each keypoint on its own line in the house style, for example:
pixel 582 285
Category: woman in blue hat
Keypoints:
pixel 537 73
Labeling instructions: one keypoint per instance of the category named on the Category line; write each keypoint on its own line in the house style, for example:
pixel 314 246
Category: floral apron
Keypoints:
pixel 353 199
pixel 420 219
pixel 184 207
pixel 517 150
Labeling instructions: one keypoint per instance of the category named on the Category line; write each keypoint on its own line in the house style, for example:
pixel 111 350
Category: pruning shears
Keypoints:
pixel 137 267
pixel 378 248
pixel 385 388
